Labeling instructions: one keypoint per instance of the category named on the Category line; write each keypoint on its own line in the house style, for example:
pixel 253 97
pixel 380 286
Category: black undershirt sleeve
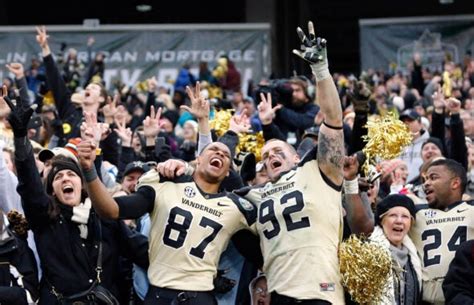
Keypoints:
pixel 137 204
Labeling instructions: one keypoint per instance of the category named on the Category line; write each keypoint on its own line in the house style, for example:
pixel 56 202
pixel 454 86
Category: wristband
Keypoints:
pixel 90 175
pixel 351 187
pixel 332 127
pixel 320 73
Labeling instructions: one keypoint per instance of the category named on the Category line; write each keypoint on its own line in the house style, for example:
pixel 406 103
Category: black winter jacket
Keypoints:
pixel 68 262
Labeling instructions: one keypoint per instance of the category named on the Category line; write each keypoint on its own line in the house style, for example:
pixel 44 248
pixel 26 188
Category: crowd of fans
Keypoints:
pixel 136 128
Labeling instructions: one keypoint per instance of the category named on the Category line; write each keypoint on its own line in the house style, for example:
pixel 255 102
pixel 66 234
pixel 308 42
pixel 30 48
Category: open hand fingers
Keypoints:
pixel 190 94
pixel 198 90
pixel 158 113
pixel 312 35
pixel 185 108
pixel 304 40
pixel 152 112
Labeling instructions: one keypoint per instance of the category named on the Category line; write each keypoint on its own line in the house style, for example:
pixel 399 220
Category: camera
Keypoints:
pixel 280 90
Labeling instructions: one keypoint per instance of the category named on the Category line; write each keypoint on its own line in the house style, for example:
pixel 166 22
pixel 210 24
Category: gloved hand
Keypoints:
pixel 223 284
pixel 19 116
pixel 188 146
pixel 359 97
pixel 313 50
pixel 246 165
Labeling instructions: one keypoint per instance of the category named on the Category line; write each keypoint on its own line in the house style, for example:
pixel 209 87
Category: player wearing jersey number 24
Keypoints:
pixel 442 225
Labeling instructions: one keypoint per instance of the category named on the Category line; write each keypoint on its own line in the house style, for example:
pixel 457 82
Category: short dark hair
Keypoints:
pixel 455 168
pixel 290 147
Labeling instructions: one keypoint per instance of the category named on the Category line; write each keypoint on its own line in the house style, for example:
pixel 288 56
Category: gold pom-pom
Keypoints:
pixel 447 84
pixel 365 269
pixel 252 143
pixel 386 138
pixel 221 121
pixel 248 142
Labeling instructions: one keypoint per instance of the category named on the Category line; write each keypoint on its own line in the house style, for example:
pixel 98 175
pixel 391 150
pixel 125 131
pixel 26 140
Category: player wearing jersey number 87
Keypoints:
pixel 441 225
pixel 191 223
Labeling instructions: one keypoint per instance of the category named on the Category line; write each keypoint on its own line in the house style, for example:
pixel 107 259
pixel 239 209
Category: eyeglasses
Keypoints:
pixel 260 290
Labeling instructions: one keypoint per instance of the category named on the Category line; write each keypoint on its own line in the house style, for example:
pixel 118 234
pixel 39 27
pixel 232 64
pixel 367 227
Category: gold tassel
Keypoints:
pixel 365 269
pixel 386 138
pixel 248 142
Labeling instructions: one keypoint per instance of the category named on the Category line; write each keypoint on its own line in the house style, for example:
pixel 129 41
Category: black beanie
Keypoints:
pixel 436 142
pixel 61 163
pixel 172 116
pixel 391 201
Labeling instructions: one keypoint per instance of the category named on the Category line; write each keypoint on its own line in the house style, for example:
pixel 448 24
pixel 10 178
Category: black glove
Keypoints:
pixel 19 116
pixel 188 146
pixel 223 284
pixel 359 97
pixel 248 167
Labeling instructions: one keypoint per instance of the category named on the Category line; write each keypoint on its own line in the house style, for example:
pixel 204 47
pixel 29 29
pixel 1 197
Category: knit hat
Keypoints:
pixel 61 163
pixel 70 151
pixel 172 116
pixel 436 142
pixel 391 201
pixel 387 167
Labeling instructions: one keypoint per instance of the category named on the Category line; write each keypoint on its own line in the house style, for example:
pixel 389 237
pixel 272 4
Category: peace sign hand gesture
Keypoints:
pixel 265 111
pixel 313 50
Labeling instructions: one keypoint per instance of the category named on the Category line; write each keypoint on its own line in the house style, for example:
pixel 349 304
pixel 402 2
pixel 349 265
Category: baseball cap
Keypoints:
pixel 47 154
pixel 410 115
pixel 136 166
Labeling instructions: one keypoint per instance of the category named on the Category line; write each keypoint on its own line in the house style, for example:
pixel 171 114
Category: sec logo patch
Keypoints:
pixel 189 192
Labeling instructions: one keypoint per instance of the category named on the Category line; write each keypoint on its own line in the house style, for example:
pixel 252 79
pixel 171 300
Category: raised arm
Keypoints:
pixel 55 80
pixel 20 81
pixel 9 199
pixel 331 139
pixel 266 114
pixel 30 187
pixel 200 110
pixel 358 212
pixel 102 201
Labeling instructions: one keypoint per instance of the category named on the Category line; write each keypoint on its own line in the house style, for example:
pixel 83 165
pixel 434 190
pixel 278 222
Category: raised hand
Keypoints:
pixel 91 130
pixel 313 50
pixel 199 105
pixel 265 111
pixel 151 124
pixel 438 100
pixel 42 38
pixel 239 123
pixel 20 114
pixel 152 84
pixel 86 153
pixel 351 167
pixel 453 105
pixel 17 69
pixel 110 109
pixel 124 133
pixel 359 97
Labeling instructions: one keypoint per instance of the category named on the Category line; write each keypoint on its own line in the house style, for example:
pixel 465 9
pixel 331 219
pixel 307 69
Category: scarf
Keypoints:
pixel 80 215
